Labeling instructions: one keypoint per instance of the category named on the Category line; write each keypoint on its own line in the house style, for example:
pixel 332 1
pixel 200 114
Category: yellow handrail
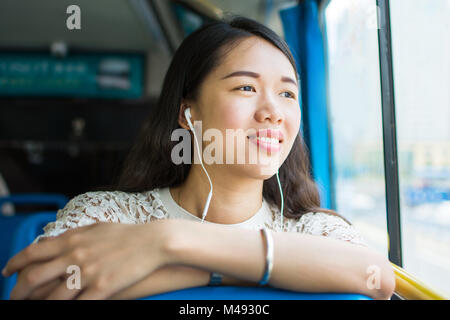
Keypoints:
pixel 410 288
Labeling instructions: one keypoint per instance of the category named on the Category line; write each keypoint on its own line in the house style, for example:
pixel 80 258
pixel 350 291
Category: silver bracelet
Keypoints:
pixel 269 256
pixel 215 279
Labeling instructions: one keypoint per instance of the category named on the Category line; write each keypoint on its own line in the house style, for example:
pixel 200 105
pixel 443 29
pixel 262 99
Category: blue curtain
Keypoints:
pixel 305 39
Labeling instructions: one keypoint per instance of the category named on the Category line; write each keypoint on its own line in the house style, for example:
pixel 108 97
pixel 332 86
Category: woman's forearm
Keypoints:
pixel 165 279
pixel 302 263
pixel 172 278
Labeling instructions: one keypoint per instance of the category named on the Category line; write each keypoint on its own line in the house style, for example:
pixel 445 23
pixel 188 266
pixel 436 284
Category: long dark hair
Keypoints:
pixel 149 163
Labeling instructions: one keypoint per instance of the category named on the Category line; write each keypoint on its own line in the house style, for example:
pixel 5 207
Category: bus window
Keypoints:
pixel 354 104
pixel 421 65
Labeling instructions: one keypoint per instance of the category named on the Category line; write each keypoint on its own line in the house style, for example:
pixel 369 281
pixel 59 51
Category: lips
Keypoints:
pixel 268 133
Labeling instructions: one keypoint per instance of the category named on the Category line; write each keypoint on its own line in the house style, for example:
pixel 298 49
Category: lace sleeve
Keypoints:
pixel 94 207
pixel 323 224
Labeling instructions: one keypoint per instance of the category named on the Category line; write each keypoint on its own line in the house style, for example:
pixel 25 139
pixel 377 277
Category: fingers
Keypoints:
pixel 91 294
pixel 46 289
pixel 100 289
pixel 32 253
pixel 32 278
pixel 43 250
pixel 105 263
pixel 64 291
pixel 110 281
pixel 91 276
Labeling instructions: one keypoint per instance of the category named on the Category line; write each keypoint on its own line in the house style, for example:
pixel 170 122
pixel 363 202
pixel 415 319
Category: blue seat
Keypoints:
pixel 28 229
pixel 249 293
pixel 35 198
pixel 7 227
pixel 18 231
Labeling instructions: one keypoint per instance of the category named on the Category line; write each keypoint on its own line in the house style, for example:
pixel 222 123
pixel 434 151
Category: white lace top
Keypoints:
pixel 134 208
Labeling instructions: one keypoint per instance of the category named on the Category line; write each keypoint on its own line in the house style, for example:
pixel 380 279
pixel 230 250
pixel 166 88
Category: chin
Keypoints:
pixel 259 172
pixel 262 167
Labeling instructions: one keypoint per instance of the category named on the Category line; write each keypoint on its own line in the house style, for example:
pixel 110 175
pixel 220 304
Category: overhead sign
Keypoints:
pixel 96 76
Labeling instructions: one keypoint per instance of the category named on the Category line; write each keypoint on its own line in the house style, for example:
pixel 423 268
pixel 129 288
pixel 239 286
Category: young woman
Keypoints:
pixel 231 75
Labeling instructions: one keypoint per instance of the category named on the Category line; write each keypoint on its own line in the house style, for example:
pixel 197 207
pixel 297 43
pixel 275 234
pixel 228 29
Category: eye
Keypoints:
pixel 244 87
pixel 291 95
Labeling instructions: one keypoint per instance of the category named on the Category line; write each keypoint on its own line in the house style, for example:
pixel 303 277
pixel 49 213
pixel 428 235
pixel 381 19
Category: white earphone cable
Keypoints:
pixel 208 200
pixel 205 210
pixel 282 202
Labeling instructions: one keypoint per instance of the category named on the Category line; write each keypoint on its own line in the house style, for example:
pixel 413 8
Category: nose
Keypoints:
pixel 269 111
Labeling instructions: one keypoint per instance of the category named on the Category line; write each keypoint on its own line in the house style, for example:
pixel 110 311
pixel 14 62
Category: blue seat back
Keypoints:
pixel 35 198
pixel 18 231
pixel 250 293
pixel 7 227
pixel 24 232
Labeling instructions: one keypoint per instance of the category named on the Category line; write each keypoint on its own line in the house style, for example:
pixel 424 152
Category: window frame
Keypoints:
pixel 389 133
pixel 390 156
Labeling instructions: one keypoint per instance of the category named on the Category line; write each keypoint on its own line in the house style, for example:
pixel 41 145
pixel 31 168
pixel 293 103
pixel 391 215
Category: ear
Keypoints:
pixel 181 118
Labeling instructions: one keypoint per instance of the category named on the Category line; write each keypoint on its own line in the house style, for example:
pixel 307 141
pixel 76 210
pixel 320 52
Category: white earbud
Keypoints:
pixel 187 114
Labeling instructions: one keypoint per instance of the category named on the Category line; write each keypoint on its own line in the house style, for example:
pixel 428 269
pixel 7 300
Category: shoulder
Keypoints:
pixel 107 206
pixel 116 206
pixel 315 220
pixel 328 225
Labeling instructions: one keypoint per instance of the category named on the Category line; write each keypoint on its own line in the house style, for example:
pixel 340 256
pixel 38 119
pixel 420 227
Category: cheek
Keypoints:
pixel 233 116
pixel 293 121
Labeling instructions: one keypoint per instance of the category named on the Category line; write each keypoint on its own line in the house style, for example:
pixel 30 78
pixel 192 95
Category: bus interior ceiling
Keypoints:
pixel 72 143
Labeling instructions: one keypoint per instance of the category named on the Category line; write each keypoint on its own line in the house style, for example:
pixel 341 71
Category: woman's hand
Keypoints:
pixel 44 290
pixel 110 258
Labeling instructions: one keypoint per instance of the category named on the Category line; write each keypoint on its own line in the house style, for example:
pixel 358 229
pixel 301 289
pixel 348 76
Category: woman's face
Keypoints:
pixel 267 97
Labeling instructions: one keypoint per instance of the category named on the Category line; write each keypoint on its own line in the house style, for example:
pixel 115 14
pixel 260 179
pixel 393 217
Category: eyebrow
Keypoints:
pixel 256 75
